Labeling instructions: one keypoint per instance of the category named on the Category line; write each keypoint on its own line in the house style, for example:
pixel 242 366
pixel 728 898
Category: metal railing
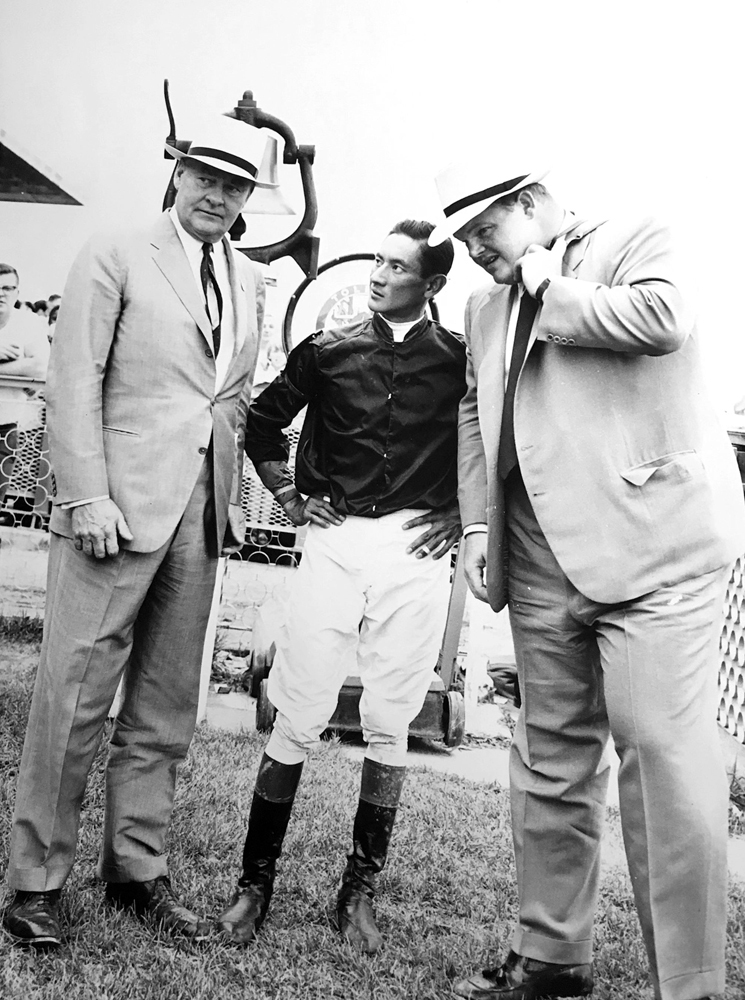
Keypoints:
pixel 26 482
pixel 270 535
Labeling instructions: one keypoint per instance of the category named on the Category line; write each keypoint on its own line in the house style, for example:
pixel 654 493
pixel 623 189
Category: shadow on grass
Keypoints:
pixel 446 903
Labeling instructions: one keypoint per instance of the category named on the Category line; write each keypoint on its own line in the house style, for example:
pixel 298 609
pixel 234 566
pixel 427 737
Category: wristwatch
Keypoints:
pixel 541 290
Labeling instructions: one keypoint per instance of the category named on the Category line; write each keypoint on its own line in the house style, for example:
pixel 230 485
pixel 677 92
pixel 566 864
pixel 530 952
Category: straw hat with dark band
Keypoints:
pixel 228 145
pixel 466 189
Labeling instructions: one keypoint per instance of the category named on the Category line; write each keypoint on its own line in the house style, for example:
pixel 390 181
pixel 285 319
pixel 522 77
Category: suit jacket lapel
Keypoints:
pixel 574 254
pixel 238 297
pixel 576 244
pixel 170 257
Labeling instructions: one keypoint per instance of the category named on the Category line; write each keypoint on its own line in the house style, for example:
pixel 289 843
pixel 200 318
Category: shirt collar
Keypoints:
pixel 567 224
pixel 576 229
pixel 382 325
pixel 191 245
pixel 403 328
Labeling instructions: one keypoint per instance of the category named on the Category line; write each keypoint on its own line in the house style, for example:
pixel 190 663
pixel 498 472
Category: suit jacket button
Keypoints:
pixel 209 353
pixel 202 451
pixel 564 340
pixel 572 342
pixel 549 336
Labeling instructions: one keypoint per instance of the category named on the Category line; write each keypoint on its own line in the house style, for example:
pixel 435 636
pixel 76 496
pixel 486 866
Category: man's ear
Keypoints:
pixel 527 203
pixel 435 285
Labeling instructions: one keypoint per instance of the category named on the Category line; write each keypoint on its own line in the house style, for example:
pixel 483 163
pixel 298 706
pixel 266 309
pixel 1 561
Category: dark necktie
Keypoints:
pixel 507 457
pixel 211 294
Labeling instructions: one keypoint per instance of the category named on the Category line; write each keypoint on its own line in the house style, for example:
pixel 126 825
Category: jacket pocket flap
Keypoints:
pixel 679 465
pixel 120 430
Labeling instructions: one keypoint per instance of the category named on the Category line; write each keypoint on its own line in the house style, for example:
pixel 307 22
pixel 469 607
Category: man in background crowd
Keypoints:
pixel 53 304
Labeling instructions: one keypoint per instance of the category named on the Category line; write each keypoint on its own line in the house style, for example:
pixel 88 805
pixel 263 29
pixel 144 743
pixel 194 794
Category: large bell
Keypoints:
pixel 268 200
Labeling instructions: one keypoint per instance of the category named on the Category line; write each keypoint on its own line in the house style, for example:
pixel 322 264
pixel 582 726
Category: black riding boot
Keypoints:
pixel 380 792
pixel 274 794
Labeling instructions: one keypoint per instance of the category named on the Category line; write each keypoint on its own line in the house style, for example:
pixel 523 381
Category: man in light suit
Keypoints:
pixel 590 451
pixel 148 386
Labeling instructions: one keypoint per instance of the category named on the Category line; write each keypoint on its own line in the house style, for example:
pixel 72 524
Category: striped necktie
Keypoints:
pixel 212 295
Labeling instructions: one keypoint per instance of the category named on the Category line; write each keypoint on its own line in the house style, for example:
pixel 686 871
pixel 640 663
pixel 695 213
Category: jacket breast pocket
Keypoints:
pixel 675 467
pixel 120 430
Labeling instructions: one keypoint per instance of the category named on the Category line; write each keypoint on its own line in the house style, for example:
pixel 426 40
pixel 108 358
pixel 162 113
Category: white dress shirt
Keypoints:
pixel 567 223
pixel 193 251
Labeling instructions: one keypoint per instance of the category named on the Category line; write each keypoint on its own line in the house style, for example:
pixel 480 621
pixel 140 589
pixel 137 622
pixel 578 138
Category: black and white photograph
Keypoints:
pixel 372 500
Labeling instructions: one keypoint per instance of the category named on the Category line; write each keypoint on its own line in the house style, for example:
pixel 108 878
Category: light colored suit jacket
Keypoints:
pixel 626 463
pixel 131 401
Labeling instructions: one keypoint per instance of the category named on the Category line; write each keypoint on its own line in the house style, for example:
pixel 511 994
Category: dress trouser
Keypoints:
pixel 644 672
pixel 142 613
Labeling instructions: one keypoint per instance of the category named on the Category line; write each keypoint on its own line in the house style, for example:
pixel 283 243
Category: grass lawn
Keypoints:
pixel 446 903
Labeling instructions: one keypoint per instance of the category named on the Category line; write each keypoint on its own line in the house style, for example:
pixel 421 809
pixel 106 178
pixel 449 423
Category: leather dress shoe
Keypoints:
pixel 32 919
pixel 156 900
pixel 241 919
pixel 523 978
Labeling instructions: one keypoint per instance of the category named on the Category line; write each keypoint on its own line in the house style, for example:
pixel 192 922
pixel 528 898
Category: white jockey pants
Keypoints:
pixel 359 605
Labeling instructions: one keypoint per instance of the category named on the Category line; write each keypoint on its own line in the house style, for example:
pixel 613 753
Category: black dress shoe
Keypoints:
pixel 527 979
pixel 156 900
pixel 32 919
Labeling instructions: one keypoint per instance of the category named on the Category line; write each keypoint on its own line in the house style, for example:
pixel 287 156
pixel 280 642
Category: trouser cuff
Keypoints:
pixel 392 753
pixel 36 879
pixel 284 750
pixel 692 985
pixel 133 870
pixel 529 944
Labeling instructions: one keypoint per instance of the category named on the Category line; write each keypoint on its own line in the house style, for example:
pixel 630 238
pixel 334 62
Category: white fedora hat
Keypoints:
pixel 466 188
pixel 229 145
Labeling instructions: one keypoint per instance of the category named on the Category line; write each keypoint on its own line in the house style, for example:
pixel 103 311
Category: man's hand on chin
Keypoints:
pixel 537 264
pixel 474 563
pixel 97 527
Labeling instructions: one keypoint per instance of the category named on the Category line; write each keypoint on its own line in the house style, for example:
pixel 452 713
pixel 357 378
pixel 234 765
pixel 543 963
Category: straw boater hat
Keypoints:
pixel 467 188
pixel 229 145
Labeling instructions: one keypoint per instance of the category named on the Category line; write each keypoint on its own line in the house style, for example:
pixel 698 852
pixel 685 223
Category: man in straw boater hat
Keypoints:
pixel 376 475
pixel 601 502
pixel 152 358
